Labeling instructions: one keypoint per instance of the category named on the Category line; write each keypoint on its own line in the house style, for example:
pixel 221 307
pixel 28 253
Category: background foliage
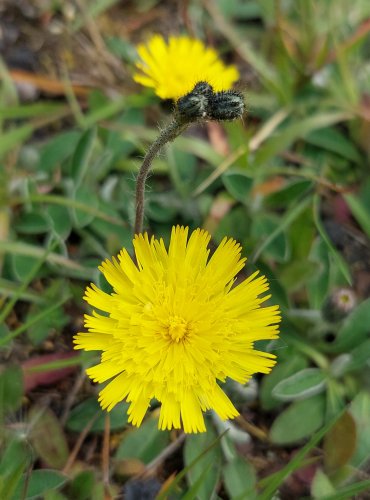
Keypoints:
pixel 291 183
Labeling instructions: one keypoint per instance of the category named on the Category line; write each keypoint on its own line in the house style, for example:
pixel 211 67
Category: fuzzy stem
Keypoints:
pixel 173 129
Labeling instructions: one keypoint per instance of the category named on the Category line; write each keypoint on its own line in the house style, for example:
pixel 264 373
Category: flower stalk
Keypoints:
pixel 202 103
pixel 168 134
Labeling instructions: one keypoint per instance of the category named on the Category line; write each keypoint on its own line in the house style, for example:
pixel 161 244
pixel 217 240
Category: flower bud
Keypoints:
pixel 194 105
pixel 226 105
pixel 339 304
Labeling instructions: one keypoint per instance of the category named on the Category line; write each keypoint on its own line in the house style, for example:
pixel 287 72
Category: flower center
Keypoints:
pixel 177 328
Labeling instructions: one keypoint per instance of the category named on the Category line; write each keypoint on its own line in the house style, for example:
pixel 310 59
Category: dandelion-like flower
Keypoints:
pixel 177 325
pixel 173 68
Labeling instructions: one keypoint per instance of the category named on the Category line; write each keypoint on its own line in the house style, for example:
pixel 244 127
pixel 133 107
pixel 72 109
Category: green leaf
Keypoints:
pixel 60 220
pixel 288 193
pixel 32 272
pixel 82 414
pixel 272 482
pixel 54 321
pixel 21 265
pixel 14 451
pixel 285 137
pixel 262 227
pixel 182 168
pixel 298 421
pixel 14 138
pixel 321 485
pixel 318 284
pixel 360 410
pixel 29 110
pixel 358 357
pixel 297 273
pixel 354 330
pixel 194 444
pixel 161 208
pixel 47 437
pixel 192 492
pixel 163 495
pixel 114 237
pixel 349 492
pixel 9 483
pixel 31 321
pixel 280 372
pixel 57 150
pixel 86 196
pixel 340 443
pixel 122 48
pixel 82 486
pixel 303 384
pixel 335 401
pixel 11 389
pixel 336 142
pixel 238 184
pixel 239 479
pixel 81 158
pixel 15 458
pixel 301 234
pixel 104 112
pixel 39 483
pixel 338 259
pixel 235 223
pixel 360 210
pixel 54 495
pixel 32 223
pixel 143 443
pixel 286 220
pixel 276 288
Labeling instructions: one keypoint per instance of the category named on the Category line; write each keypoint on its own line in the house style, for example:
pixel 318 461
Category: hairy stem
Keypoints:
pixel 173 129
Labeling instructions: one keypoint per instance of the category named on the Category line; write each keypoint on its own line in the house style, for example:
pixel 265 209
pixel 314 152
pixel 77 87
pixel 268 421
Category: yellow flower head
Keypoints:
pixel 176 327
pixel 173 68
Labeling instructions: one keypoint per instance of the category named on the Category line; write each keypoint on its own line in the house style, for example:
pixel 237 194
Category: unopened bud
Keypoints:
pixel 194 105
pixel 339 305
pixel 226 105
pixel 203 103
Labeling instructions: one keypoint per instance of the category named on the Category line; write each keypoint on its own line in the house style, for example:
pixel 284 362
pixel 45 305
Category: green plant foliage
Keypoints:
pixel 289 181
pixel 359 409
pixel 90 411
pixel 143 443
pixel 15 458
pixel 355 328
pixel 240 479
pixel 85 486
pixel 299 420
pixel 340 443
pixel 211 462
pixel 321 485
pixel 238 185
pixel 80 162
pixel 11 389
pixel 293 363
pixel 301 385
pixel 39 483
pixel 57 150
pixel 47 437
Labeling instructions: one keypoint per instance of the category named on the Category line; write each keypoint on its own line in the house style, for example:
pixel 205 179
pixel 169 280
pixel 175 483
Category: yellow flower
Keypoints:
pixel 176 326
pixel 173 68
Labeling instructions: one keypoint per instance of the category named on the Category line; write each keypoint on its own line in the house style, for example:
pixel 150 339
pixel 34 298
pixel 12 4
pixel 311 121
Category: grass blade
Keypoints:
pixel 285 222
pixel 164 494
pixel 296 463
pixel 341 264
pixel 350 491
